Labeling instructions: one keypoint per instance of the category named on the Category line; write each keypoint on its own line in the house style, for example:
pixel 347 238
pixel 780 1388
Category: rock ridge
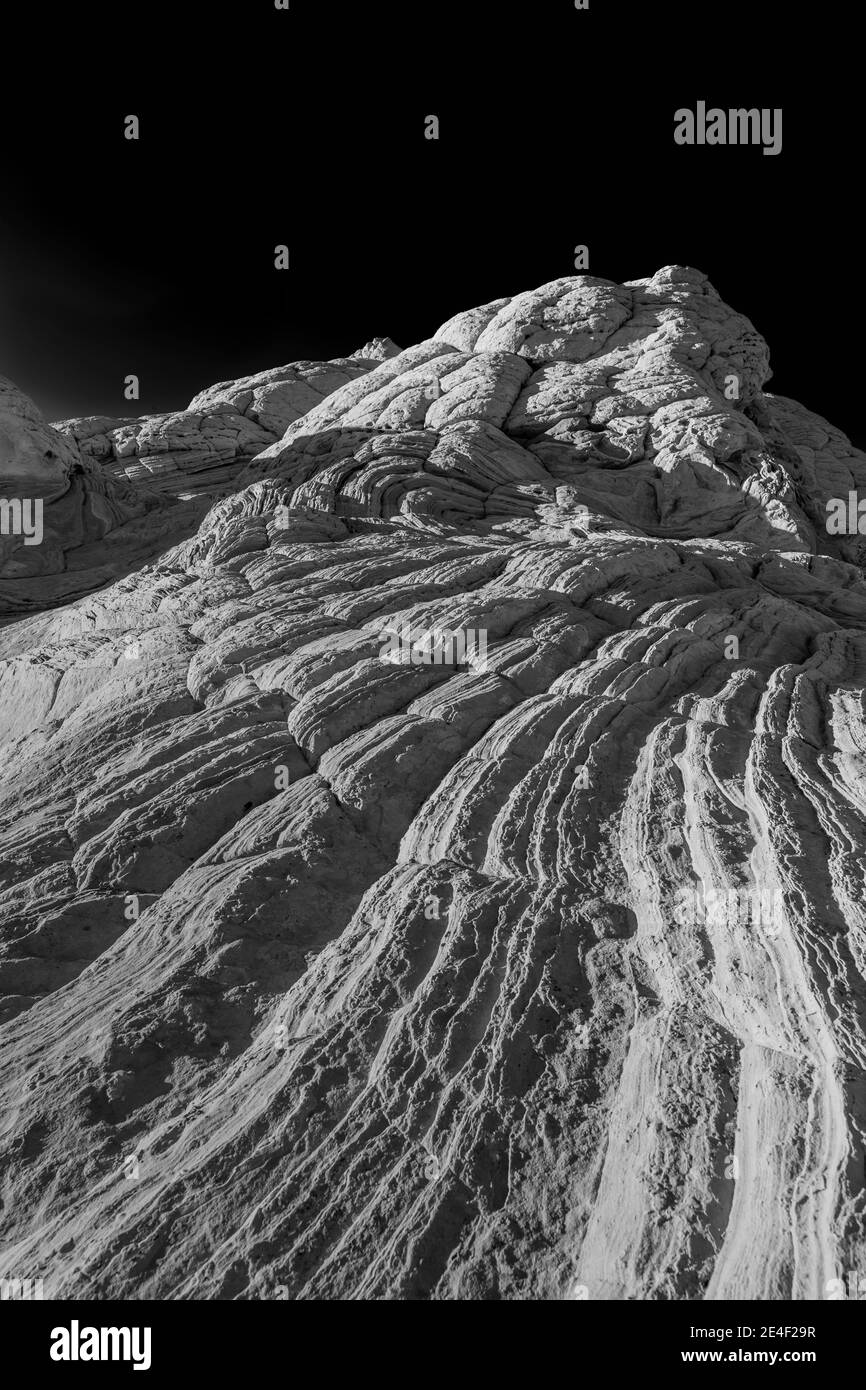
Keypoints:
pixel 328 970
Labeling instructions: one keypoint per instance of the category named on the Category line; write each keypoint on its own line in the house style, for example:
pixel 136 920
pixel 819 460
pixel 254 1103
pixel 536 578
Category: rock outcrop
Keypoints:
pixel 65 527
pixel 188 452
pixel 339 960
pixel 123 491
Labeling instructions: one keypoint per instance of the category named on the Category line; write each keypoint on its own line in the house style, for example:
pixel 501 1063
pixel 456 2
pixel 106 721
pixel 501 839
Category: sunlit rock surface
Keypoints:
pixel 118 493
pixel 186 452
pixel 63 537
pixel 533 974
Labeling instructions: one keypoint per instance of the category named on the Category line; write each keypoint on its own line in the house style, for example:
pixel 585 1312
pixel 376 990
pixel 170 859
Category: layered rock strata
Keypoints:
pixel 536 972
pixel 187 452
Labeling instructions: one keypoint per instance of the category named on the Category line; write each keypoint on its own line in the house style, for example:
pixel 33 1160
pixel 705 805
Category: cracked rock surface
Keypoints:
pixel 533 970
pixel 84 514
pixel 120 492
pixel 186 452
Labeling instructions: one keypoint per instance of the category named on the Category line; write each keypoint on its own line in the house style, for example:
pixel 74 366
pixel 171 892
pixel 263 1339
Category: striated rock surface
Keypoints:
pixel 123 491
pixel 65 527
pixel 194 451
pixel 531 972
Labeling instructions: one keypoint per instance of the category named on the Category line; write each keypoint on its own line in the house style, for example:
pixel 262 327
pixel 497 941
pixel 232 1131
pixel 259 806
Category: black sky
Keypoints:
pixel 261 127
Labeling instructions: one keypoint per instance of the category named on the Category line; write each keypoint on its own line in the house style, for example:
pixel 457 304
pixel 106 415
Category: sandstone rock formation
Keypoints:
pixel 188 451
pixel 80 511
pixel 122 491
pixel 536 973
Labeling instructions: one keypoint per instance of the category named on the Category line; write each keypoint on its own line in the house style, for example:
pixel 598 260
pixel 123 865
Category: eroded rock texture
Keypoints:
pixel 447 979
pixel 187 452
pixel 81 513
pixel 117 493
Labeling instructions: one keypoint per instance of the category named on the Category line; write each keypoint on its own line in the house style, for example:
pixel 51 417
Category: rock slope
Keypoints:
pixel 80 512
pixel 185 452
pixel 119 492
pixel 330 970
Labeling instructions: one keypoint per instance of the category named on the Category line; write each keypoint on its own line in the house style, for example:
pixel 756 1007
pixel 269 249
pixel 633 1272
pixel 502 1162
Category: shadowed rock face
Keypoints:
pixel 91 528
pixel 195 451
pixel 117 493
pixel 535 972
pixel 43 469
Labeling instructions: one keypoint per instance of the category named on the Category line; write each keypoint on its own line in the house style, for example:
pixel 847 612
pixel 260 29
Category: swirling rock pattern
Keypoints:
pixel 82 513
pixel 534 973
pixel 120 492
pixel 188 452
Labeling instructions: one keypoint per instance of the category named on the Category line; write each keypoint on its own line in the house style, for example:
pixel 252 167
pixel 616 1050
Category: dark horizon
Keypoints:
pixel 155 257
